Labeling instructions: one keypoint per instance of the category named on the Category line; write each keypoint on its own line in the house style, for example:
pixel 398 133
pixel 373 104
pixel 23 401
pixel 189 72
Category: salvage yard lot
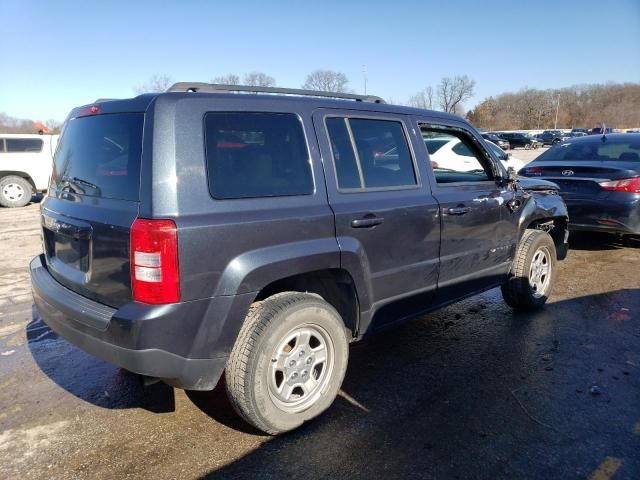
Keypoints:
pixel 470 391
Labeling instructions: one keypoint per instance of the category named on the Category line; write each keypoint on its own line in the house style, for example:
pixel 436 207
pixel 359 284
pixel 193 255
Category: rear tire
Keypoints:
pixel 15 191
pixel 288 362
pixel 532 273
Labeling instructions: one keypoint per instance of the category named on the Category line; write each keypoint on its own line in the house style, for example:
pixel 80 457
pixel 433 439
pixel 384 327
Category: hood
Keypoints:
pixel 536 184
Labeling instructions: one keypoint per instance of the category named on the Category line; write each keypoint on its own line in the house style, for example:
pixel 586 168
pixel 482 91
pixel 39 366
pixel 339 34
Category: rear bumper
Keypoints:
pixel 617 213
pixel 184 344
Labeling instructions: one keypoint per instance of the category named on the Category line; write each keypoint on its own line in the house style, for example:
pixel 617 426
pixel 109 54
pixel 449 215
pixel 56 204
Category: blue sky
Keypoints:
pixel 60 54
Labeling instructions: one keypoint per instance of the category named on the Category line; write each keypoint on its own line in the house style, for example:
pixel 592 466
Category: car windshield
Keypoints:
pixel 611 150
pixel 497 151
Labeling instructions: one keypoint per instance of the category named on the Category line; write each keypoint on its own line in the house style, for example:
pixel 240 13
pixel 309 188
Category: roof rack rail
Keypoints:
pixel 214 87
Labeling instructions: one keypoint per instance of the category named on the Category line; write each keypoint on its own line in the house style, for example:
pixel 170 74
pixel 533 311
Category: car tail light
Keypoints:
pixel 630 185
pixel 155 274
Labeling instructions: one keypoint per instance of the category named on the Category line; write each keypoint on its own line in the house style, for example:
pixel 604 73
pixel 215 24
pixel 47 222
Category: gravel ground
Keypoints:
pixel 470 391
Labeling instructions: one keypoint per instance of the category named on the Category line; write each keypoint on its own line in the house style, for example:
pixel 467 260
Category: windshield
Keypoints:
pixel 621 150
pixel 99 156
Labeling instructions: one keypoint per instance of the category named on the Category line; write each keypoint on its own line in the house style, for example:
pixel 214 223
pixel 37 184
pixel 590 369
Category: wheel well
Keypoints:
pixel 557 228
pixel 334 285
pixel 6 173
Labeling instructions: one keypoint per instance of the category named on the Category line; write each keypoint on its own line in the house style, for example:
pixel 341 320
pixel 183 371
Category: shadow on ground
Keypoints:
pixel 89 378
pixel 597 241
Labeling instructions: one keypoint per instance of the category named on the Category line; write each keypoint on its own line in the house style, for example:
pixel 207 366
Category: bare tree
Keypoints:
pixel 422 99
pixel 327 80
pixel 580 106
pixel 229 79
pixel 157 83
pixel 53 125
pixel 453 91
pixel 259 79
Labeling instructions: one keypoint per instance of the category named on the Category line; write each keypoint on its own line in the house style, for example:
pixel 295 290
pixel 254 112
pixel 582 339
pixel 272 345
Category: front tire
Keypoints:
pixel 532 273
pixel 15 191
pixel 288 362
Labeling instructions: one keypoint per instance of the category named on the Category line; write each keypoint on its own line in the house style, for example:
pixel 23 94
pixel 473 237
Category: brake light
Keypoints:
pixel 630 185
pixel 89 110
pixel 155 273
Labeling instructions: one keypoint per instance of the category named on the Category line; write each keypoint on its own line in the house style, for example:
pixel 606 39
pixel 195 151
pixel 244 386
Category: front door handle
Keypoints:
pixel 366 222
pixel 459 210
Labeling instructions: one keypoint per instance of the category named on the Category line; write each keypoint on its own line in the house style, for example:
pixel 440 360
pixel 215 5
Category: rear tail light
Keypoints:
pixel 155 274
pixel 630 185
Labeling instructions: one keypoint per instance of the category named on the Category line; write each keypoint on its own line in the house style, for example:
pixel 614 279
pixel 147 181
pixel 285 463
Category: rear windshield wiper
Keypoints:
pixel 79 181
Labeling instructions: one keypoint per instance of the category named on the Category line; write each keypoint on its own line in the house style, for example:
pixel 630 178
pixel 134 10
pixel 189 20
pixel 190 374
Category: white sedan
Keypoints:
pixel 450 153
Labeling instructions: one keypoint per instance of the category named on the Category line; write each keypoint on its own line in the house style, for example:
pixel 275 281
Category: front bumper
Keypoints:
pixel 184 344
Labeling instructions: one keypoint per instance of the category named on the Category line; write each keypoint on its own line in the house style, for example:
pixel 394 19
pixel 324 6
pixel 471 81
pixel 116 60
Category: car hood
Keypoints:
pixel 536 184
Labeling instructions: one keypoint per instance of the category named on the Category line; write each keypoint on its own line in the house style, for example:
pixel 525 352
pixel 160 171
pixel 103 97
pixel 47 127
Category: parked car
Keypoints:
pixel 492 137
pixel 256 236
pixel 552 137
pixel 575 134
pixel 506 158
pixel 25 166
pixel 599 180
pixel 450 153
pixel 580 130
pixel 522 140
pixel 600 131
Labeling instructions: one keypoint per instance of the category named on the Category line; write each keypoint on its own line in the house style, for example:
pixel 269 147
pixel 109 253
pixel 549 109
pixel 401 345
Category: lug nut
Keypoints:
pixel 309 361
pixel 294 375
pixel 301 354
pixel 292 363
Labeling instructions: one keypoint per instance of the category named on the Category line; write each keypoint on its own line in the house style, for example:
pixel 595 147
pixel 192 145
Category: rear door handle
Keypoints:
pixel 366 222
pixel 459 210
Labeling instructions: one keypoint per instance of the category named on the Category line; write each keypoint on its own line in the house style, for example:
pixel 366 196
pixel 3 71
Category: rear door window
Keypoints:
pixel 253 155
pixel 370 153
pixel 100 156
pixel 24 145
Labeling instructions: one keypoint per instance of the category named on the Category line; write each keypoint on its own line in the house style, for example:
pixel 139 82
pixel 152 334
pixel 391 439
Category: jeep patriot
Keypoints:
pixel 255 232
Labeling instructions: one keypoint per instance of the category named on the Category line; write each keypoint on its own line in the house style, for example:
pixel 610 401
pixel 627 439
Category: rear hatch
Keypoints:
pixel 92 202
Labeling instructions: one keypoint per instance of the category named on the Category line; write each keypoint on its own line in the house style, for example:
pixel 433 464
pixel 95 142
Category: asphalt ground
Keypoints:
pixel 470 391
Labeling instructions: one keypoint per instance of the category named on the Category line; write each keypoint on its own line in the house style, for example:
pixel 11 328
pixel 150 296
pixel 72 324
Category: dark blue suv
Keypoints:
pixel 202 232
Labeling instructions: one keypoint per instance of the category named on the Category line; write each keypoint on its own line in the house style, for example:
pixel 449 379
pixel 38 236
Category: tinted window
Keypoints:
pixel 1 144
pixel 616 150
pixel 256 155
pixel 457 160
pixel 383 152
pixel 343 155
pixel 100 156
pixel 24 145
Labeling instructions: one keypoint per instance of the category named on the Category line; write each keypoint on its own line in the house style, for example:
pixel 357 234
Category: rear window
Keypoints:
pixel 24 145
pixel 253 155
pixel 99 156
pixel 624 150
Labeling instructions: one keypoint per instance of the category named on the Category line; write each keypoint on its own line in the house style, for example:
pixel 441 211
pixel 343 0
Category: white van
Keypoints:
pixel 25 166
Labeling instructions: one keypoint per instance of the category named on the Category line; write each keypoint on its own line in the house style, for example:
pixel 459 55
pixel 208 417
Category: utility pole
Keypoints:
pixel 555 125
pixel 364 77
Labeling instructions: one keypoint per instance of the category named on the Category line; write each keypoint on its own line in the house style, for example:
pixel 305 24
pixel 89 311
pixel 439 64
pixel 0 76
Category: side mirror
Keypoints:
pixel 512 176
